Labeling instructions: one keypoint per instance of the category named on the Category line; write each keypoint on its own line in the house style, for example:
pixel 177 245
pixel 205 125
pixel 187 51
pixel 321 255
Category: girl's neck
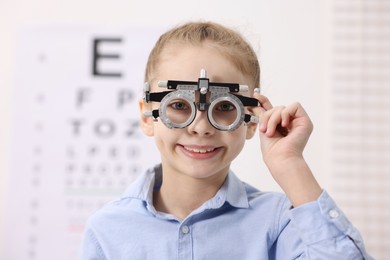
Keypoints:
pixel 180 196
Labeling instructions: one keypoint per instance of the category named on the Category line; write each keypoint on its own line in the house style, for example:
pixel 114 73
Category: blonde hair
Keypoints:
pixel 230 43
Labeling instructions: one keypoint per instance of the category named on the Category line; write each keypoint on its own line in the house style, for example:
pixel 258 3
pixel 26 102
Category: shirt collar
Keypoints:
pixel 142 188
pixel 232 191
pixel 235 191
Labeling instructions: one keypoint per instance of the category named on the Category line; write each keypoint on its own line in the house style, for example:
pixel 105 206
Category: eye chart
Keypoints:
pixel 76 142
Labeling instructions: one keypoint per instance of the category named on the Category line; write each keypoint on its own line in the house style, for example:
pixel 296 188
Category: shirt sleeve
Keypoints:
pixel 319 230
pixel 90 248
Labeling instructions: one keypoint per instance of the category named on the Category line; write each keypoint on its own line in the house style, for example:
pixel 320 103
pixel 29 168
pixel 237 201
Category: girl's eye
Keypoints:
pixel 226 106
pixel 179 106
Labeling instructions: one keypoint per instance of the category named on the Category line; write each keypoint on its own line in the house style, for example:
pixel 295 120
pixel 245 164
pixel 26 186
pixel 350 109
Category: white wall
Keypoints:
pixel 290 36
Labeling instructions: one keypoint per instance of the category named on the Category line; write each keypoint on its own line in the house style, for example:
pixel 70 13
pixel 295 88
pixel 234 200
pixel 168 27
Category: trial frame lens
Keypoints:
pixel 171 116
pixel 238 113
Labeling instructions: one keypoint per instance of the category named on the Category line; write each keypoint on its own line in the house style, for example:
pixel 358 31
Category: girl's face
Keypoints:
pixel 198 151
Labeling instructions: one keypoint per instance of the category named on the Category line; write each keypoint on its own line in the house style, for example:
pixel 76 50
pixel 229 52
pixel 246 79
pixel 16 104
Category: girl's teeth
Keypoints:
pixel 199 150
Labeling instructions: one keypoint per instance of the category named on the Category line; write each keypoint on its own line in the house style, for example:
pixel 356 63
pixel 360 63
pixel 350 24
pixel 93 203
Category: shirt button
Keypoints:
pixel 333 213
pixel 185 229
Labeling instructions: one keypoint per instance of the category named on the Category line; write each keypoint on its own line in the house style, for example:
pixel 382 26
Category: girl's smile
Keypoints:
pixel 200 152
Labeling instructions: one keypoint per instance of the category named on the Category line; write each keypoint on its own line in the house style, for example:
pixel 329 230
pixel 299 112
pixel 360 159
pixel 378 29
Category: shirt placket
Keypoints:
pixel 185 246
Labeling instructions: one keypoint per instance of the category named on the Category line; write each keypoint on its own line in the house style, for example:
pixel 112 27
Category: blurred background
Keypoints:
pixel 71 73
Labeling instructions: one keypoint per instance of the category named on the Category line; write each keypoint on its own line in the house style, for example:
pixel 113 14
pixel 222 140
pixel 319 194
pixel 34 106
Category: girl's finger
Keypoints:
pixel 264 101
pixel 292 111
pixel 274 120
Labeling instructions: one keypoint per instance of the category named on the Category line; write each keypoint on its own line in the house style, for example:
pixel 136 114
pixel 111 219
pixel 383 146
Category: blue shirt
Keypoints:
pixel 239 222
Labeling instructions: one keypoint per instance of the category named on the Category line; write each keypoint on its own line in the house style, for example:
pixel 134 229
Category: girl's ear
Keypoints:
pixel 251 127
pixel 146 123
pixel 251 130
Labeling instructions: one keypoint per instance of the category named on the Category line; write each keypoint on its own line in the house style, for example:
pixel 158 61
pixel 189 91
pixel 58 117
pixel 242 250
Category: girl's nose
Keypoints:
pixel 201 125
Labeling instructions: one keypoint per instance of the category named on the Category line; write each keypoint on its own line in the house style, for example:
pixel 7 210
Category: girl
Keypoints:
pixel 192 206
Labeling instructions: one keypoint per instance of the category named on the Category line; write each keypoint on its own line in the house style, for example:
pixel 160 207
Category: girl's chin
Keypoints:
pixel 203 170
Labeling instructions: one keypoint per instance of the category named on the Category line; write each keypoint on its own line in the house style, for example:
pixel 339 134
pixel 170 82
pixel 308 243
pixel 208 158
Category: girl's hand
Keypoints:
pixel 284 132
